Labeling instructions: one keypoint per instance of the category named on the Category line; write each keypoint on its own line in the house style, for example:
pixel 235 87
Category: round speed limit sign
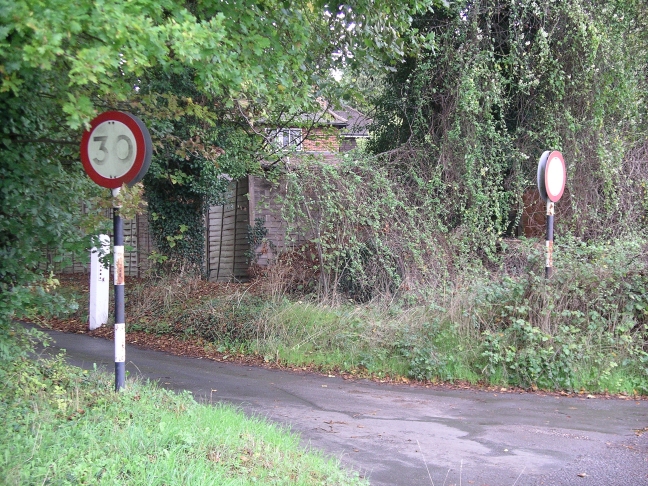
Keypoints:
pixel 116 150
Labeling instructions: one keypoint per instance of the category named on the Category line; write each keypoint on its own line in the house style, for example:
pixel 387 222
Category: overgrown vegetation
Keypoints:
pixel 586 328
pixel 464 123
pixel 583 330
pixel 370 238
pixel 67 426
pixel 402 263
pixel 422 225
pixel 196 74
pixel 183 305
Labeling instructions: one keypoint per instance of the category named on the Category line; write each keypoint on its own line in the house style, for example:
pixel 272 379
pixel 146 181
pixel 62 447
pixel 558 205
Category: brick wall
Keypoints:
pixel 322 139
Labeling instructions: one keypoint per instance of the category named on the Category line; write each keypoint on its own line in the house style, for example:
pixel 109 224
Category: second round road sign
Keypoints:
pixel 552 176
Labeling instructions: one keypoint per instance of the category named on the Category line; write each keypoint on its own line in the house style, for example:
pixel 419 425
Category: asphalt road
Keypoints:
pixel 407 435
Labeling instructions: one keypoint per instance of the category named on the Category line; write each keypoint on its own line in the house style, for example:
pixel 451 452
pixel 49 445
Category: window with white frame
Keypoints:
pixel 286 138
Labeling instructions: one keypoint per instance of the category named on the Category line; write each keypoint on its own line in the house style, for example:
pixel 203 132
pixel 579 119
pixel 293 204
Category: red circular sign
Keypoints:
pixel 552 176
pixel 113 152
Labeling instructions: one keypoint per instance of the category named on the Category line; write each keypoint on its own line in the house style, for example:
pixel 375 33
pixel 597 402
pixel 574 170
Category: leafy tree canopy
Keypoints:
pixel 270 50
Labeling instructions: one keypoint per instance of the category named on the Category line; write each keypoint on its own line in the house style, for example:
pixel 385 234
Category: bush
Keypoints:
pixel 592 315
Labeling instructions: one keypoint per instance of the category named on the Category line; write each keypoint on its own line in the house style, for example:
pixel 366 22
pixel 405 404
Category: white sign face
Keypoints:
pixel 555 176
pixel 552 176
pixel 112 149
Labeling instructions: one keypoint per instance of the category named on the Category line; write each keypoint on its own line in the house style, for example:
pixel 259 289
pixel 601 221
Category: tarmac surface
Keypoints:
pixel 412 435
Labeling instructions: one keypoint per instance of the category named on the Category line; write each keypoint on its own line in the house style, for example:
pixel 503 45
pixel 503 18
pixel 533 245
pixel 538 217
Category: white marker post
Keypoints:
pixel 99 285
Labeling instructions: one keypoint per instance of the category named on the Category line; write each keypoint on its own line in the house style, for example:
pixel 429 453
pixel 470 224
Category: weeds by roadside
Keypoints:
pixel 585 329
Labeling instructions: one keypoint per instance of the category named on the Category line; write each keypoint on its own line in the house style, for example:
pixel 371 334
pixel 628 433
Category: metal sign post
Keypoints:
pixel 552 176
pixel 117 150
pixel 550 240
pixel 120 319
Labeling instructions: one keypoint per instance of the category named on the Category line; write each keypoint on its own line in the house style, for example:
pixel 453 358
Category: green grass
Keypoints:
pixel 437 344
pixel 65 426
pixel 344 338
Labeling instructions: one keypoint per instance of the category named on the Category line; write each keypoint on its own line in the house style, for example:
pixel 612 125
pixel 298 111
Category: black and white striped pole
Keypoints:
pixel 552 176
pixel 120 318
pixel 117 150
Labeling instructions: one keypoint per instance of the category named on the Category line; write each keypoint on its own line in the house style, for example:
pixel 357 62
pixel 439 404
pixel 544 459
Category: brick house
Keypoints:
pixel 250 202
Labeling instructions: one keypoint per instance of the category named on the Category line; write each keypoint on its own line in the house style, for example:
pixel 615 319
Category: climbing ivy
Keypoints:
pixel 62 62
pixel 465 122
pixel 458 131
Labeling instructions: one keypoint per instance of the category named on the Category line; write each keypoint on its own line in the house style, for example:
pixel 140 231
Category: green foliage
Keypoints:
pixel 574 330
pixel 502 81
pixel 434 351
pixel 342 338
pixel 370 240
pixel 585 329
pixel 254 56
pixel 195 156
pixel 226 322
pixel 102 47
pixel 196 72
pixel 40 199
pixel 182 305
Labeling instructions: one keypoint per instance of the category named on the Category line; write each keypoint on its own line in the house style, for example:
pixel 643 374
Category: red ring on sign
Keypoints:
pixel 140 149
pixel 553 157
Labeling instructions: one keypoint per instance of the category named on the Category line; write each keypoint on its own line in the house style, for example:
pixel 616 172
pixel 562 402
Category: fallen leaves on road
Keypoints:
pixel 640 432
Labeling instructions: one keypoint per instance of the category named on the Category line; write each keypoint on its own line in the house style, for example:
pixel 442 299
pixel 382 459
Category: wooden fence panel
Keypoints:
pixel 227 235
pixel 136 238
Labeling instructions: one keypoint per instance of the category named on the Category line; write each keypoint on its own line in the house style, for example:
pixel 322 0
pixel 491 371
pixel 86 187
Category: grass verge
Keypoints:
pixel 63 426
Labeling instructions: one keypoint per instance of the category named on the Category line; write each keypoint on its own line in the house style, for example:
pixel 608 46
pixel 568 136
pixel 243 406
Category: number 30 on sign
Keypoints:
pixel 116 150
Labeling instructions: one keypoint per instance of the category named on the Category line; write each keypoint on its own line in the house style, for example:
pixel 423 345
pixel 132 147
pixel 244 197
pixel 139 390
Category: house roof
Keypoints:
pixel 357 122
pixel 353 123
pixel 326 117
